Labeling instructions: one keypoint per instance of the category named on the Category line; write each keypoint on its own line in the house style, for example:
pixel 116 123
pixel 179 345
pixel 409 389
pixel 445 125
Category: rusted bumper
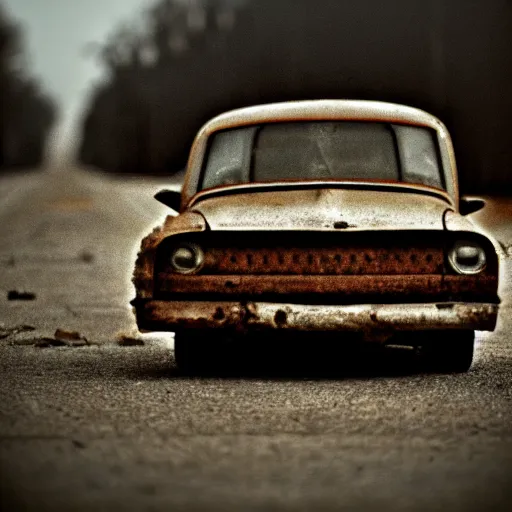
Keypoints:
pixel 155 315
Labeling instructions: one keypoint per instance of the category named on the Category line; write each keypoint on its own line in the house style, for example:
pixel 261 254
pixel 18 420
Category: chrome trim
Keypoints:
pixel 198 255
pixel 272 186
pixel 452 258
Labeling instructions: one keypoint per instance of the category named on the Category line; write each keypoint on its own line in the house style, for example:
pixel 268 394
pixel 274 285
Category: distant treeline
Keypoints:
pixel 26 113
pixel 184 62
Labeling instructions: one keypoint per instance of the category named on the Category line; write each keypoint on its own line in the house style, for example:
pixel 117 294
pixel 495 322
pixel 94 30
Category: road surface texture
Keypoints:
pixel 100 426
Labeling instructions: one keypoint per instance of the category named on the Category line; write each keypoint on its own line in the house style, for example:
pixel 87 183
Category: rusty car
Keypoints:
pixel 338 216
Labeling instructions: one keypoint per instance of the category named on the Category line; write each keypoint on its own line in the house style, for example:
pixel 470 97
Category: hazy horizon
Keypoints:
pixel 56 35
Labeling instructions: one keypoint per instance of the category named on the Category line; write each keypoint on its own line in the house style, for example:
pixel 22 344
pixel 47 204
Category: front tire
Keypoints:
pixel 193 351
pixel 449 351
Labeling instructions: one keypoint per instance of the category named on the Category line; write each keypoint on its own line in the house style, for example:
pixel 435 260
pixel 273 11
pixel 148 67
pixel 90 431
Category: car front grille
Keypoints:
pixel 361 260
pixel 325 267
pixel 303 253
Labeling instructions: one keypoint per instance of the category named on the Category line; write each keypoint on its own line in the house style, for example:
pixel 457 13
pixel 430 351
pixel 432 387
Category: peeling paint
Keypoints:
pixel 162 315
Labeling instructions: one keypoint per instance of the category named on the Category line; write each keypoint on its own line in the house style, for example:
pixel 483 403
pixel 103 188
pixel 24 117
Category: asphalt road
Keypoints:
pixel 109 427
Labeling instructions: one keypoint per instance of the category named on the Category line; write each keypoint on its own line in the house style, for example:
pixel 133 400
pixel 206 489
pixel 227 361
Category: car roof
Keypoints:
pixel 320 110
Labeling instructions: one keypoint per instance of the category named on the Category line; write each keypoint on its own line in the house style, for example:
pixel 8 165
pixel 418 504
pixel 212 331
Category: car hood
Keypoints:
pixel 326 209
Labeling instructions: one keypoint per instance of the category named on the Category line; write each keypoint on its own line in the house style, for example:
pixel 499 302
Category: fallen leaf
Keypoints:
pixel 72 338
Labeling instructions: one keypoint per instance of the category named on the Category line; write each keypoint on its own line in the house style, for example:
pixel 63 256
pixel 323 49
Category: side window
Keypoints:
pixel 418 154
pixel 229 157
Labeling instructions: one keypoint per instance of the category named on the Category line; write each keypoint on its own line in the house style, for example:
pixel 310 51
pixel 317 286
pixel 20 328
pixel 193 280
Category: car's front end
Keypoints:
pixel 341 277
pixel 375 258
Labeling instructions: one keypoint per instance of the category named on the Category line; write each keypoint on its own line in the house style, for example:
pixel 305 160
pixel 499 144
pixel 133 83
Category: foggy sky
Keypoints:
pixel 57 33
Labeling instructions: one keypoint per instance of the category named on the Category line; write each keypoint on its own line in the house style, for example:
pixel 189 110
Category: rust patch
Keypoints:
pixel 367 319
pixel 144 272
pixel 341 224
pixel 257 285
pixel 386 287
pixel 280 318
pixel 252 310
pixel 479 284
pixel 314 254
pixel 219 314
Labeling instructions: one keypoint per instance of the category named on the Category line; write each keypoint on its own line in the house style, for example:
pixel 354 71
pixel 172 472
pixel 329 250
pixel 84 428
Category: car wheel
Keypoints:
pixel 194 351
pixel 449 352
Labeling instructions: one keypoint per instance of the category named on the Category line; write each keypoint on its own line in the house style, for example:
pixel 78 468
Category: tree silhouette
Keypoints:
pixel 26 113
pixel 184 62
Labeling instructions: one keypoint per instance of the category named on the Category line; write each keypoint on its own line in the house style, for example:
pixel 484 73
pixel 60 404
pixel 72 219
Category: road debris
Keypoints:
pixel 49 342
pixel 6 332
pixel 129 340
pixel 63 338
pixel 19 295
pixel 86 256
pixel 78 444
pixel 21 336
pixel 24 336
pixel 72 338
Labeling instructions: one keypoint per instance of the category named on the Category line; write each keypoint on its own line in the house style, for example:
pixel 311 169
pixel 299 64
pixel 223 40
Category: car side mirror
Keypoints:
pixel 171 198
pixel 468 205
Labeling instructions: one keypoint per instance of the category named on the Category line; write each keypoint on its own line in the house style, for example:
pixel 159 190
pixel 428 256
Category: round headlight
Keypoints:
pixel 187 258
pixel 467 257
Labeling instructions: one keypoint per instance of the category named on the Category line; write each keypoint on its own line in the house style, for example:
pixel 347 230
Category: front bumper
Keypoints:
pixel 369 319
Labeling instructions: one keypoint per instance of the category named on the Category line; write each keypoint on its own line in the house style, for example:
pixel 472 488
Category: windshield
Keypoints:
pixel 339 150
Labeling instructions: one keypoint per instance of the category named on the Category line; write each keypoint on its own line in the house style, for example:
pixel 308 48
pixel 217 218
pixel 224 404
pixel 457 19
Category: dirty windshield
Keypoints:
pixel 337 150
